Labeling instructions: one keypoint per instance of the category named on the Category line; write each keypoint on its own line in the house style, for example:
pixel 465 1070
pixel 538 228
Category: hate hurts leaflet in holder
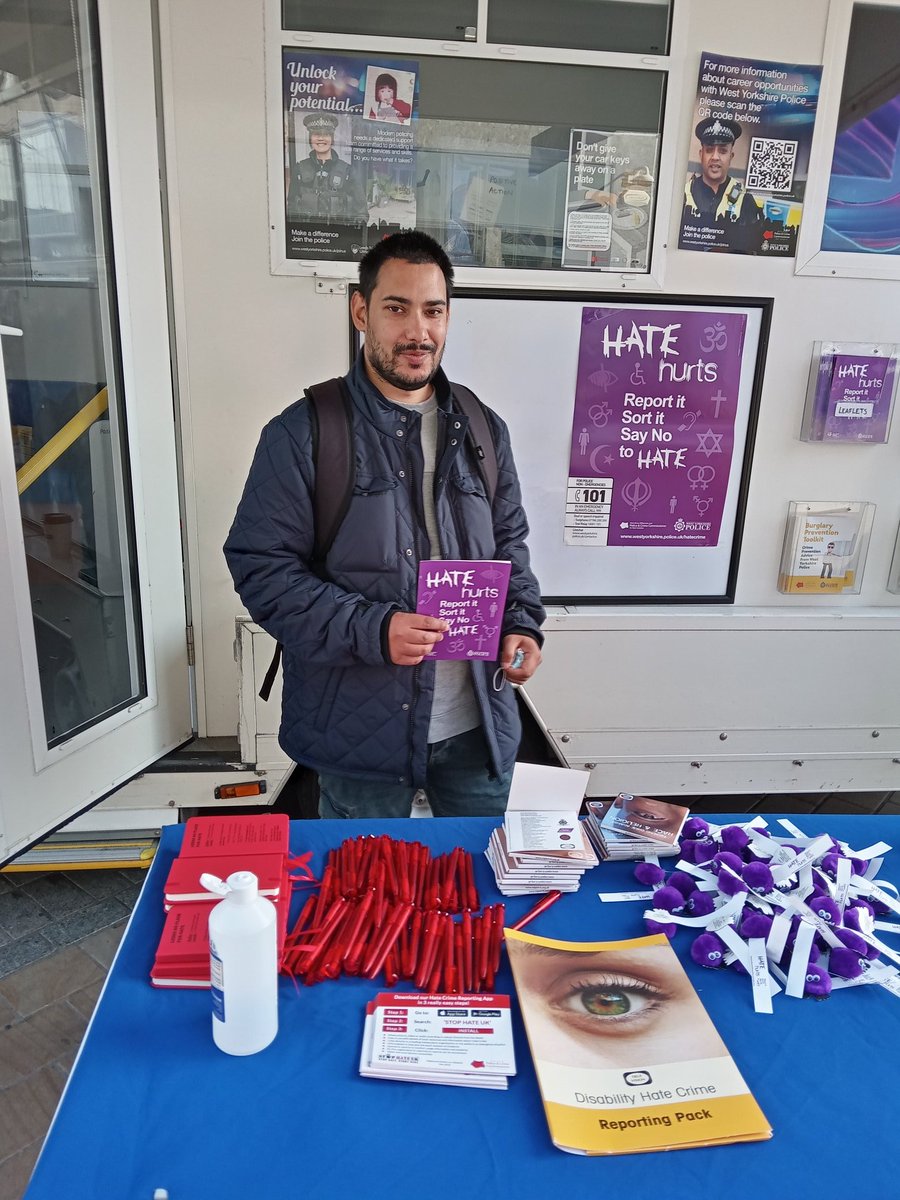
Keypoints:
pixel 471 596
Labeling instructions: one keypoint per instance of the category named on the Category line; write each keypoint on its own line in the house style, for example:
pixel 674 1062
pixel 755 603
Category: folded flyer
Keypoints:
pixel 470 595
pixel 626 1056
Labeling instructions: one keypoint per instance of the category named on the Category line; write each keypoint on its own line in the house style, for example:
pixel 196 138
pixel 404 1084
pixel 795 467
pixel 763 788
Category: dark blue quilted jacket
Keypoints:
pixel 345 706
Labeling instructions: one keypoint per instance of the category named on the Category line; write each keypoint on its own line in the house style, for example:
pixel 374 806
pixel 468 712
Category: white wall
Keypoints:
pixel 249 342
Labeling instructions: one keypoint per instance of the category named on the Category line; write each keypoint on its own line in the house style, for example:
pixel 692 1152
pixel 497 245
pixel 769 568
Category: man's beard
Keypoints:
pixel 383 364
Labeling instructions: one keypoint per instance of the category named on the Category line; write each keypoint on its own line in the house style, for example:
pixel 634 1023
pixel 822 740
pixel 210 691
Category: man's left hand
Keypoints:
pixel 530 663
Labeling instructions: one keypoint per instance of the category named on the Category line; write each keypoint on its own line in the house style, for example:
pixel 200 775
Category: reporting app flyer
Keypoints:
pixel 463 1032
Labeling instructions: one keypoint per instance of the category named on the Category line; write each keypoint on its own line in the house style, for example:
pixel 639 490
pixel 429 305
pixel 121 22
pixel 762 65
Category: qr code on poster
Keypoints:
pixel 771 164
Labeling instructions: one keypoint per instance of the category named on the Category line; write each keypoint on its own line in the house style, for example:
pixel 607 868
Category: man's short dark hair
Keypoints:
pixel 410 246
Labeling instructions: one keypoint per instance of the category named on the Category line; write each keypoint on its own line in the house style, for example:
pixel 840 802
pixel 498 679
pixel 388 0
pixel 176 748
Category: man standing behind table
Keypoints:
pixel 719 213
pixel 361 703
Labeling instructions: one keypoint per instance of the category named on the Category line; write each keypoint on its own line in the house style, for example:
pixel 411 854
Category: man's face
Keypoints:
pixel 321 143
pixel 405 323
pixel 715 159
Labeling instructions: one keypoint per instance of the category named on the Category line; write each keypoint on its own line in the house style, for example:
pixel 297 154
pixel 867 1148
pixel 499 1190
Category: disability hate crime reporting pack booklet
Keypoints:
pixel 470 594
pixel 626 1056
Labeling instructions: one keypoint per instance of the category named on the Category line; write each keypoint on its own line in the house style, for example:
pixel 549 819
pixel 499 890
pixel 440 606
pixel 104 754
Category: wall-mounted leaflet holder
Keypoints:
pixel 850 395
pixel 825 547
pixel 893 584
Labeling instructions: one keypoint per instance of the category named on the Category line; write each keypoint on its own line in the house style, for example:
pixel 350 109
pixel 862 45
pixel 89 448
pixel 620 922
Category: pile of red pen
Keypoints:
pixel 386 904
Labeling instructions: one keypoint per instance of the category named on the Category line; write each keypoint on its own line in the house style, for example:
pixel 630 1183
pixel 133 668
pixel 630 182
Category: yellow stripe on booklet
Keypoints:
pixel 626 1056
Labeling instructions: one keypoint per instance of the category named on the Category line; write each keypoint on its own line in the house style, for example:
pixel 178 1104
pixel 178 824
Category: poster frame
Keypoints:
pixel 811 259
pixel 724 594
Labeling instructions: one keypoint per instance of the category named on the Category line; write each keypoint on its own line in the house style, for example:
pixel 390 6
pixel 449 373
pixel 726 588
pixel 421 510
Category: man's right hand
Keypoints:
pixel 411 636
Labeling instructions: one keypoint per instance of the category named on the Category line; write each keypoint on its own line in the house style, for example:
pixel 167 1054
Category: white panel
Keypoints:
pixel 249 341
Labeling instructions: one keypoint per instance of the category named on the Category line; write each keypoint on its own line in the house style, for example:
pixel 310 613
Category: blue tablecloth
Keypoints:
pixel 152 1103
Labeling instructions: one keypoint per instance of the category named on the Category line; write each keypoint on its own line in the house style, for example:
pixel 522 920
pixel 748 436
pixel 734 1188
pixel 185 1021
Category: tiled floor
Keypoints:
pixel 58 935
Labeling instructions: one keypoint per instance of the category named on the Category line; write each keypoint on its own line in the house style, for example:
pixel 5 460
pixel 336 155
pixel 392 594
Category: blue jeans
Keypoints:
pixel 458 784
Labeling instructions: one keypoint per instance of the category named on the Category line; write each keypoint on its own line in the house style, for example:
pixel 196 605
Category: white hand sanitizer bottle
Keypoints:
pixel 243 965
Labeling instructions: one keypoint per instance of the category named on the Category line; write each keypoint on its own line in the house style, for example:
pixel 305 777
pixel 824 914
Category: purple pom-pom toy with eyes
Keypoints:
pixel 846 963
pixel 756 925
pixel 658 927
pixel 758 877
pixel 684 882
pixel 694 828
pixel 650 874
pixel 735 839
pixel 818 982
pixel 726 859
pixel 730 885
pixel 700 904
pixel 708 950
pixel 825 908
pixel 670 899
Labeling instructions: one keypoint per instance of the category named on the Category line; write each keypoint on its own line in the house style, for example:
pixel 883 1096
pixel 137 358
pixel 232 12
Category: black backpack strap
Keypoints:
pixel 334 463
pixel 480 436
pixel 266 690
pixel 333 458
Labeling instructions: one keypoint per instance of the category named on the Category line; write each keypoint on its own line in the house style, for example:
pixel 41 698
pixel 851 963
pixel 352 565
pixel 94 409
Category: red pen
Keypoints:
pixel 361 911
pixel 429 949
pixel 411 961
pixel 494 941
pixel 379 951
pixel 537 909
pixel 467 982
pixel 387 847
pixel 472 900
pixel 484 948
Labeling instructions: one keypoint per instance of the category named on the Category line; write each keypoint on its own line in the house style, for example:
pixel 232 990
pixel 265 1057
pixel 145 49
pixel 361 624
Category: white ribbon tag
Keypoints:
pixel 813 851
pixel 867 888
pixel 842 888
pixel 870 851
pixel 767 847
pixel 796 980
pixel 887 926
pixel 713 921
pixel 791 828
pixel 615 897
pixel 778 935
pixel 763 984
pixel 873 868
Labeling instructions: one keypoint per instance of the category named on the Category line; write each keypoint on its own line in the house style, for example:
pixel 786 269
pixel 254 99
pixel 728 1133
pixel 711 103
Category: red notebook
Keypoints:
pixel 264 833
pixel 183 883
pixel 182 956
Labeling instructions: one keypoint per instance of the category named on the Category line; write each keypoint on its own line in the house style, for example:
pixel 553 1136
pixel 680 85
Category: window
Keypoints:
pixel 854 198
pixel 514 164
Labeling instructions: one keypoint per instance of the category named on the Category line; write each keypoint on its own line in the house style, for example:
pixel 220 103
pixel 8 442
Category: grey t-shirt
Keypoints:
pixel 454 708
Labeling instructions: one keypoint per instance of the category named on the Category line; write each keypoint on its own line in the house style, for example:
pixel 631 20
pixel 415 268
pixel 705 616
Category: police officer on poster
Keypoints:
pixel 715 200
pixel 323 187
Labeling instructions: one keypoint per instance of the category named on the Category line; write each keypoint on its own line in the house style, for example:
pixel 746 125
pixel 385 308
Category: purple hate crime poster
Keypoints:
pixel 653 433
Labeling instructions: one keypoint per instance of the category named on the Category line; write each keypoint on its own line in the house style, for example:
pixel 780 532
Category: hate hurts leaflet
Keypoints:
pixel 471 596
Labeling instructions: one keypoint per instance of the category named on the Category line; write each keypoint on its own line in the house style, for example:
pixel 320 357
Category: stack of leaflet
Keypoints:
pixel 217 846
pixel 463 1040
pixel 634 826
pixel 538 852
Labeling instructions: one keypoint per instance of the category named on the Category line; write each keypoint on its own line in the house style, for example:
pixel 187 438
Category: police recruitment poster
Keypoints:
pixel 746 179
pixel 349 156
pixel 653 432
pixel 609 203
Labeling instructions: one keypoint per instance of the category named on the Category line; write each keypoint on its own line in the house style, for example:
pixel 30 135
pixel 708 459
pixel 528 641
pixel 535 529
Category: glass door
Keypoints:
pixel 87 472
